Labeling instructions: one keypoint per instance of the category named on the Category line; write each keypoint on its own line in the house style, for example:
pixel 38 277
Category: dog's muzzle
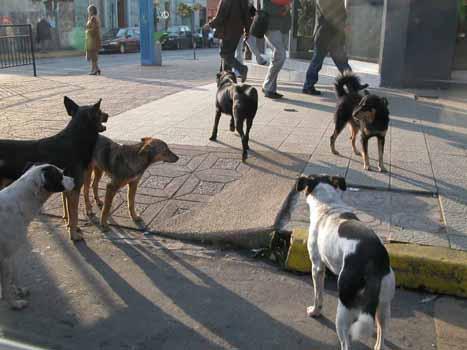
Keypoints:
pixel 68 183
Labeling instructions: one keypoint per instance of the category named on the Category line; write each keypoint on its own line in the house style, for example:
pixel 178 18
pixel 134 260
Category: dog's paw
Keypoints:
pixel 366 167
pixel 213 138
pixel 18 304
pixel 137 218
pixel 21 292
pixel 335 152
pixel 313 311
pixel 382 169
pixel 76 236
pixel 244 157
pixel 104 227
pixel 232 128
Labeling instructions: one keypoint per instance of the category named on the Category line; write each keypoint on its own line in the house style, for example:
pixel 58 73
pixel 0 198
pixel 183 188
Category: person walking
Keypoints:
pixel 44 34
pixel 277 37
pixel 231 22
pixel 93 39
pixel 329 37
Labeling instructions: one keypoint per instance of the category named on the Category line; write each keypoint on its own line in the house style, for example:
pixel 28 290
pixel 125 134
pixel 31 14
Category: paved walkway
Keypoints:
pixel 422 199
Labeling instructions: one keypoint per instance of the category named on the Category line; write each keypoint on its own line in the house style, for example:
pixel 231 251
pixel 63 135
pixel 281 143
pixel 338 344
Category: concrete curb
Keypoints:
pixel 435 269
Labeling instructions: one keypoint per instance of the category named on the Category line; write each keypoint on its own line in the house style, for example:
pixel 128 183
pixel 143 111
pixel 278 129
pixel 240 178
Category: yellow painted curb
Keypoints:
pixel 436 269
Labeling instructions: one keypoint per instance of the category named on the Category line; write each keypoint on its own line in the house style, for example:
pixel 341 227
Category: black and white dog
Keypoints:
pixel 20 202
pixel 352 251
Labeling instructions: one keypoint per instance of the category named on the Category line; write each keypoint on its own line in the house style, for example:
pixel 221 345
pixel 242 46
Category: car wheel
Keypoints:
pixel 122 48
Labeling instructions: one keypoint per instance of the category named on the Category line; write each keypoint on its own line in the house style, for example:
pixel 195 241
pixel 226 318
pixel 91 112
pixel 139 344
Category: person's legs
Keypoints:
pixel 239 50
pixel 319 54
pixel 275 39
pixel 251 42
pixel 227 53
pixel 339 56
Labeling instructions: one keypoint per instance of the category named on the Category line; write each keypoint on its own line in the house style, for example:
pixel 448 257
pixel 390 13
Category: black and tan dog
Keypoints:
pixel 367 113
pixel 124 164
pixel 238 101
pixel 71 149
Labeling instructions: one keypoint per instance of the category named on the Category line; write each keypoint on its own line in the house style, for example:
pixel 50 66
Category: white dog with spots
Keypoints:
pixel 19 204
pixel 352 251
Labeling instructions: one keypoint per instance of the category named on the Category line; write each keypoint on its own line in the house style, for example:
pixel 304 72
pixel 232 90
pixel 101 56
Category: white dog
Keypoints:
pixel 19 204
pixel 338 240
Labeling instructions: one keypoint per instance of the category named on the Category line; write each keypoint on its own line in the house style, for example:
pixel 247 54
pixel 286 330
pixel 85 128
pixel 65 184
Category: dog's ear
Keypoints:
pixel 97 105
pixel 338 182
pixel 302 183
pixel 70 105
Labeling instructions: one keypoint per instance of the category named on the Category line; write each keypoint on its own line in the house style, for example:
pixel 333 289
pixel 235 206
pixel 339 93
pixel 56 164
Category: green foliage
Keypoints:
pixel 306 18
pixel 183 10
pixel 77 38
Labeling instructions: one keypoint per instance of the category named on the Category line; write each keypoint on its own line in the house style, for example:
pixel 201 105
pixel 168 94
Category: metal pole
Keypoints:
pixel 32 50
pixel 193 38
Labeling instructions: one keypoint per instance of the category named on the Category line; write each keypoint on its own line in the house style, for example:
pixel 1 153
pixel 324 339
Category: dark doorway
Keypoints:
pixel 460 58
pixel 121 13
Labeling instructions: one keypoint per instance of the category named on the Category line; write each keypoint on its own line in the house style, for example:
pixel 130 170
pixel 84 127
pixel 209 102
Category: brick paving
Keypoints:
pixel 33 107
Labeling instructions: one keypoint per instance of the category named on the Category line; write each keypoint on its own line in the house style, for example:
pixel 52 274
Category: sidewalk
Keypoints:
pixel 127 290
pixel 422 199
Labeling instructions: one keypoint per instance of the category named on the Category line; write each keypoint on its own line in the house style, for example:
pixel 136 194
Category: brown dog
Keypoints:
pixel 124 164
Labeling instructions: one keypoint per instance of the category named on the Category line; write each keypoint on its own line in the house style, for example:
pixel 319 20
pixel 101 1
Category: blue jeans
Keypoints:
pixel 339 57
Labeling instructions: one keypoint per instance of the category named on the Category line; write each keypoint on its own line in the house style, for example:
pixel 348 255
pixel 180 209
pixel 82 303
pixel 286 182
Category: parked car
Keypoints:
pixel 124 40
pixel 178 37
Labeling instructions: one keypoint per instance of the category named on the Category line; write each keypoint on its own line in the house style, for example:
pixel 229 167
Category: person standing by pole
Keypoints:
pixel 230 22
pixel 93 40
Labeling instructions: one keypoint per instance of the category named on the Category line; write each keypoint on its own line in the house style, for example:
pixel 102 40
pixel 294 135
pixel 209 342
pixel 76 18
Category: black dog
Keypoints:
pixel 71 149
pixel 354 109
pixel 238 101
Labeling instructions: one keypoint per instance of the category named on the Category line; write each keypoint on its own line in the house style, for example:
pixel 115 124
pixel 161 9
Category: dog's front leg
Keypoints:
pixel 353 138
pixel 318 273
pixel 381 167
pixel 65 208
pixel 110 193
pixel 132 187
pixel 217 117
pixel 95 185
pixel 8 285
pixel 366 161
pixel 86 185
pixel 249 124
pixel 73 206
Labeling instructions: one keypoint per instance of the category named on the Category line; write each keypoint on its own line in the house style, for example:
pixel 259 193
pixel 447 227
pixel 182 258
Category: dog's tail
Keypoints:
pixel 346 83
pixel 369 299
pixel 360 292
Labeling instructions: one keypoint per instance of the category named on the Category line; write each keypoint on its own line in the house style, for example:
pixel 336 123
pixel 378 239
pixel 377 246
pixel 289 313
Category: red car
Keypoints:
pixel 125 40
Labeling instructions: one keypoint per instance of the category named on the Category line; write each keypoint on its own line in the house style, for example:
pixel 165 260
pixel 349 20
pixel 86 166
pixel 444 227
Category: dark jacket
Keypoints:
pixel 232 19
pixel 331 14
pixel 331 21
pixel 279 16
pixel 43 30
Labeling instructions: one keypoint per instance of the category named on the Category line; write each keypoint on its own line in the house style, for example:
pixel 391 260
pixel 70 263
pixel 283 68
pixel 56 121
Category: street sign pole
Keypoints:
pixel 193 37
pixel 146 20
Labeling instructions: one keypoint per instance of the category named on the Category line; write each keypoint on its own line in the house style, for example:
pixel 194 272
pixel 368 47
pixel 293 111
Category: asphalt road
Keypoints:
pixel 79 65
pixel 123 290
